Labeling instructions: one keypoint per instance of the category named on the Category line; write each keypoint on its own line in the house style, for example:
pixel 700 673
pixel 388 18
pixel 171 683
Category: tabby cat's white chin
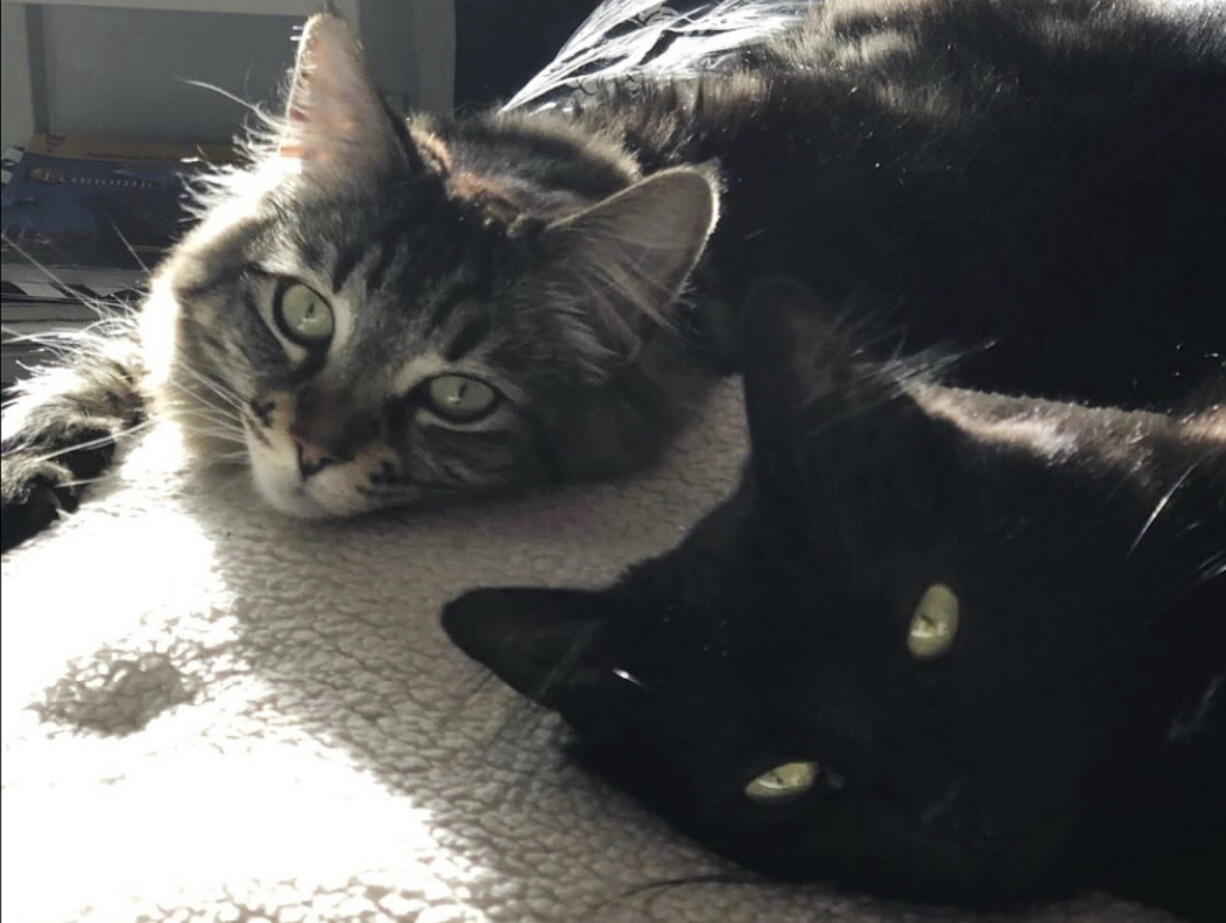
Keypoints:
pixel 290 499
pixel 327 494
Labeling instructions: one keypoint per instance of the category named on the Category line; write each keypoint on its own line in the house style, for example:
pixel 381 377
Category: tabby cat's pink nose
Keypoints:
pixel 312 458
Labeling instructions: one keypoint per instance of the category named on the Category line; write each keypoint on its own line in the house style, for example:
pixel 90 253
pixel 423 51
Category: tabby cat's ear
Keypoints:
pixel 335 119
pixel 618 266
pixel 535 640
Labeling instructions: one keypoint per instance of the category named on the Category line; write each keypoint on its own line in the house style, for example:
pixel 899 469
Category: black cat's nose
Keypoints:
pixel 311 458
pixel 465 620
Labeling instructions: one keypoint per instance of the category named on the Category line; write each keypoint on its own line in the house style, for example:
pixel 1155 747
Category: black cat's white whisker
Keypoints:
pixel 477 683
pixel 651 891
pixel 629 677
pixel 1187 724
pixel 1161 505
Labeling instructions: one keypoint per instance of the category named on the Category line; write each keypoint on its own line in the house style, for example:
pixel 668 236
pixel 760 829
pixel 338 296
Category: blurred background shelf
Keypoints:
pixel 117 68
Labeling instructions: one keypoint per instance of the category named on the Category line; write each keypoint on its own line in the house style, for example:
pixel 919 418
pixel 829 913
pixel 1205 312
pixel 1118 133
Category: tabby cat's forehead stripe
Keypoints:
pixel 447 301
pixel 226 276
pixel 379 269
pixel 309 367
pixel 417 229
pixel 472 331
pixel 417 255
pixel 346 261
pixel 312 253
pixel 257 343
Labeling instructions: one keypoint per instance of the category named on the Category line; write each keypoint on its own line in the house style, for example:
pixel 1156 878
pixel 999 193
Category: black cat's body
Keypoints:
pixel 1042 176
pixel 1072 736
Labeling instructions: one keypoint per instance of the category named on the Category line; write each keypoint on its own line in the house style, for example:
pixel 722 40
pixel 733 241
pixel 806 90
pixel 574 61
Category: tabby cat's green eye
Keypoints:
pixel 934 625
pixel 782 783
pixel 459 398
pixel 303 315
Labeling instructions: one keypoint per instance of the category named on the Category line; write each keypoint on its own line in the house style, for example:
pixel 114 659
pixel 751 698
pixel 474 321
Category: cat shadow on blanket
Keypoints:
pixel 940 644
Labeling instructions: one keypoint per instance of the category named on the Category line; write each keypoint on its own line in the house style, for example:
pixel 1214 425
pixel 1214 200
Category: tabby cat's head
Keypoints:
pixel 395 311
pixel 898 655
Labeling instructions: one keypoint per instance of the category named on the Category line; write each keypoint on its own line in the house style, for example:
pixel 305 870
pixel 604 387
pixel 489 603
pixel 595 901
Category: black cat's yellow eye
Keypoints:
pixel 459 398
pixel 782 783
pixel 934 624
pixel 303 315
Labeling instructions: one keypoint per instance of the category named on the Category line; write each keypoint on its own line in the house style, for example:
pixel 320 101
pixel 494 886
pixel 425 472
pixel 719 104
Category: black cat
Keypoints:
pixel 940 644
pixel 1045 175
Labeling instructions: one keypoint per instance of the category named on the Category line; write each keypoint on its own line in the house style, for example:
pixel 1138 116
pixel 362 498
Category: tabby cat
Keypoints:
pixel 379 311
pixel 940 644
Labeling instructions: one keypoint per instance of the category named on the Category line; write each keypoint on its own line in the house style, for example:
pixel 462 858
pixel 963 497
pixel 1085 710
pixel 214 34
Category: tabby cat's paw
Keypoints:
pixel 34 488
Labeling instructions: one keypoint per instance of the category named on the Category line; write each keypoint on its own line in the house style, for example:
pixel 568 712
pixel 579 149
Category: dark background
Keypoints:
pixel 500 44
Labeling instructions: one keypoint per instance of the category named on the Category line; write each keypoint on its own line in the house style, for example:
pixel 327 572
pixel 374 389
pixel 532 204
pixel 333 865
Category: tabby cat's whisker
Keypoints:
pixel 192 416
pixel 221 435
pixel 216 414
pixel 212 386
pixel 254 108
pixel 96 443
pixel 83 482
pixel 124 240
pixel 35 263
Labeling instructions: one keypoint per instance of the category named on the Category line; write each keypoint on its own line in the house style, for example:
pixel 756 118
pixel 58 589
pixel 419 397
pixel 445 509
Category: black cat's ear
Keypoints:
pixel 335 121
pixel 619 265
pixel 820 411
pixel 787 344
pixel 794 357
pixel 535 640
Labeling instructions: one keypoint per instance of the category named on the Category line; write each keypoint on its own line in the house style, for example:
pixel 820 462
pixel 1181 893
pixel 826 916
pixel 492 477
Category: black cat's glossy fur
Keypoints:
pixel 1044 175
pixel 1073 736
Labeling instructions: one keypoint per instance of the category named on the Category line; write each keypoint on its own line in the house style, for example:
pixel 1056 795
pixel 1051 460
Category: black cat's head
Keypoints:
pixel 891 658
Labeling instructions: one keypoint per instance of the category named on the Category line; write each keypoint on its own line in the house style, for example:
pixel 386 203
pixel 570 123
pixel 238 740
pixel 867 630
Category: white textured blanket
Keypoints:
pixel 213 713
